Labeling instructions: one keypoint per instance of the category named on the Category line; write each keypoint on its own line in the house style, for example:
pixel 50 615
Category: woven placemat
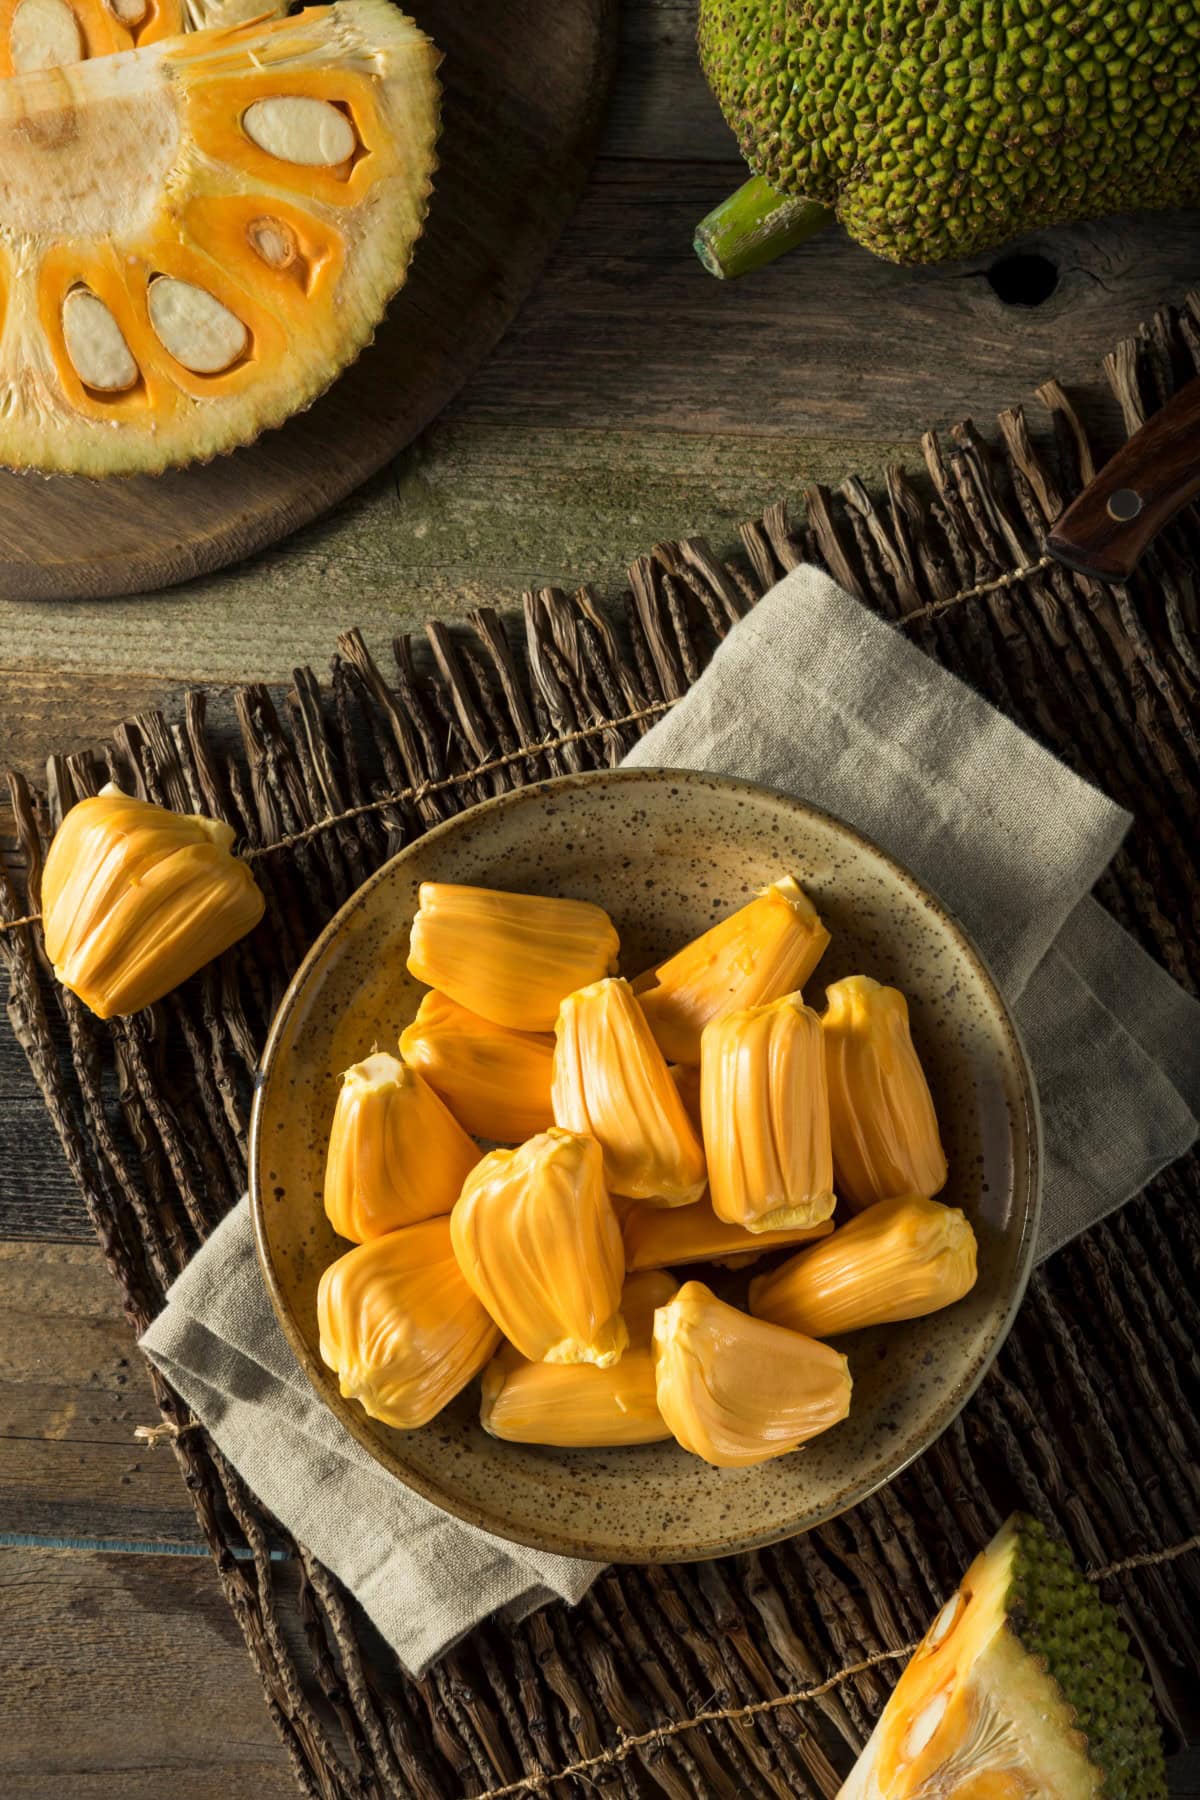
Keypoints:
pixel 760 1674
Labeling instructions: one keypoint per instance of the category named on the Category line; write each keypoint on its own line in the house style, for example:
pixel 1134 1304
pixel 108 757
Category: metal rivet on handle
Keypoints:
pixel 1124 504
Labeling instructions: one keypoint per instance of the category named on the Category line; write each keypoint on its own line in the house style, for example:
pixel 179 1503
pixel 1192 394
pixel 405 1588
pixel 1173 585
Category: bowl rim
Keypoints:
pixel 1027 1175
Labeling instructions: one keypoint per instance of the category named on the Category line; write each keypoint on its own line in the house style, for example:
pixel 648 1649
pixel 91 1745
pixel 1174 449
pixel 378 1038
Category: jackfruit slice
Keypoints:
pixel 399 1326
pixel 396 1153
pixel 576 1403
pixel 765 949
pixel 885 1130
pixel 611 1082
pixel 537 1239
pixel 765 1111
pixel 50 34
pixel 659 1237
pixel 1023 1688
pixel 511 958
pixel 196 237
pixel 900 1259
pixel 495 1081
pixel 736 1390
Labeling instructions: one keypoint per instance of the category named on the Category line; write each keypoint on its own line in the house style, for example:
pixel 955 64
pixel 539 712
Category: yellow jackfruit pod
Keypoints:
pixel 135 899
pixel 574 1404
pixel 612 1083
pixel 766 1117
pixel 900 1259
pixel 511 958
pixel 661 1239
pixel 396 1156
pixel 764 950
pixel 736 1390
pixel 399 1326
pixel 885 1131
pixel 495 1081
pixel 538 1241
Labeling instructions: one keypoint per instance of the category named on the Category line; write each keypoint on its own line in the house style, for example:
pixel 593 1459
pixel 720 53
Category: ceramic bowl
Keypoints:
pixel 666 853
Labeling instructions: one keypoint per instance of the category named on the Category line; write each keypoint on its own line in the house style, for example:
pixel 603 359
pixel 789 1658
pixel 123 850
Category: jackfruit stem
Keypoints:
pixel 754 226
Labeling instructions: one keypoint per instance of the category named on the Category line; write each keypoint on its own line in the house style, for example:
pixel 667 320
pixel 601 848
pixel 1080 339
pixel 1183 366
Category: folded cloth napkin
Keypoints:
pixel 814 695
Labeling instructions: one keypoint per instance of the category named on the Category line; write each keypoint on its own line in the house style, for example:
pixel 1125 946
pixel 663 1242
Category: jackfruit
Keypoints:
pixel 49 34
pixel 765 1109
pixel 940 128
pixel 576 1403
pixel 399 1326
pixel 737 1391
pixel 538 1241
pixel 198 236
pixel 396 1156
pixel 767 948
pixel 612 1083
pixel 136 898
pixel 1023 1688
pixel 511 958
pixel 662 1238
pixel 495 1081
pixel 898 1260
pixel 885 1130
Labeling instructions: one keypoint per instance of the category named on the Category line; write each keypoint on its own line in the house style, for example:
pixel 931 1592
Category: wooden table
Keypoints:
pixel 634 399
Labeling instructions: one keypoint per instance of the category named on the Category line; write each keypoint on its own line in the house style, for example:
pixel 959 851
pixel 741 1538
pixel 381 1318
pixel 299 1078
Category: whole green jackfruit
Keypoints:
pixel 940 128
pixel 1023 1688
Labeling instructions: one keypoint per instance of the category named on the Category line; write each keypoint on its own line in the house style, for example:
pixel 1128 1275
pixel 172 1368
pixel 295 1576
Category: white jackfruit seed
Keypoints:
pixel 300 129
pixel 194 326
pixel 96 344
pixel 44 34
pixel 129 13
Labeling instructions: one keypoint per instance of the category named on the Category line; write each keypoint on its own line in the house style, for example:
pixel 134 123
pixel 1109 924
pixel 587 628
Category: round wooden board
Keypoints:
pixel 524 90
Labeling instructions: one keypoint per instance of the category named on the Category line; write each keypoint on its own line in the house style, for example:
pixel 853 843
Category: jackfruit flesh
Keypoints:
pixel 495 1081
pixel 1023 1688
pixel 611 1081
pixel 538 1241
pixel 940 128
pixel 399 1326
pixel 396 1156
pixel 900 1259
pixel 765 1110
pixel 136 898
pixel 885 1130
pixel 197 236
pixel 764 950
pixel 662 1238
pixel 576 1404
pixel 49 34
pixel 511 958
pixel 737 1391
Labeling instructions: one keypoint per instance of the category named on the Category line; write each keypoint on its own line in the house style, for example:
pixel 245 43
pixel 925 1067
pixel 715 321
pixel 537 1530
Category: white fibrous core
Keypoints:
pixel 299 129
pixel 196 328
pixel 96 344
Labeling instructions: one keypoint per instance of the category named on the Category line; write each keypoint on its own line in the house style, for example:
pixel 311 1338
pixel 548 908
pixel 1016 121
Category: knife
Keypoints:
pixel 1107 529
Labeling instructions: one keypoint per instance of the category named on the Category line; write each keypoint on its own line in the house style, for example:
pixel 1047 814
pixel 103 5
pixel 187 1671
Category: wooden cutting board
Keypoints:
pixel 524 88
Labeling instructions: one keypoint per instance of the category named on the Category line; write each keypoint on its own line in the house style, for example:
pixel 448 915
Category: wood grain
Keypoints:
pixel 126 1679
pixel 523 97
pixel 73 1387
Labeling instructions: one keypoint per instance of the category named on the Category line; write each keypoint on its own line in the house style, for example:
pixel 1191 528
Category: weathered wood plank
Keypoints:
pixel 127 1676
pixel 72 1391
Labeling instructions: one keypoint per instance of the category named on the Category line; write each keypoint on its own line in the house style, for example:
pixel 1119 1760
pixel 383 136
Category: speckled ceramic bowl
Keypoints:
pixel 666 853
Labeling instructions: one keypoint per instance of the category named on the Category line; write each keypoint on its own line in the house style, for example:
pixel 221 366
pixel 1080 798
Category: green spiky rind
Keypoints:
pixel 1059 1617
pixel 941 128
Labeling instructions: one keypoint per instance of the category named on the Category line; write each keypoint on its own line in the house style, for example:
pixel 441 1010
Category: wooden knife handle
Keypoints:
pixel 1105 531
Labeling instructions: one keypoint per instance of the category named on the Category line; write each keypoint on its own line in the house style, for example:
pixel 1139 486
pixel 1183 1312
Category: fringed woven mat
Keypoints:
pixel 758 1675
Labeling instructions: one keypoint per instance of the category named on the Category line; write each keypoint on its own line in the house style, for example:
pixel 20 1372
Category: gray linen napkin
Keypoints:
pixel 812 694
